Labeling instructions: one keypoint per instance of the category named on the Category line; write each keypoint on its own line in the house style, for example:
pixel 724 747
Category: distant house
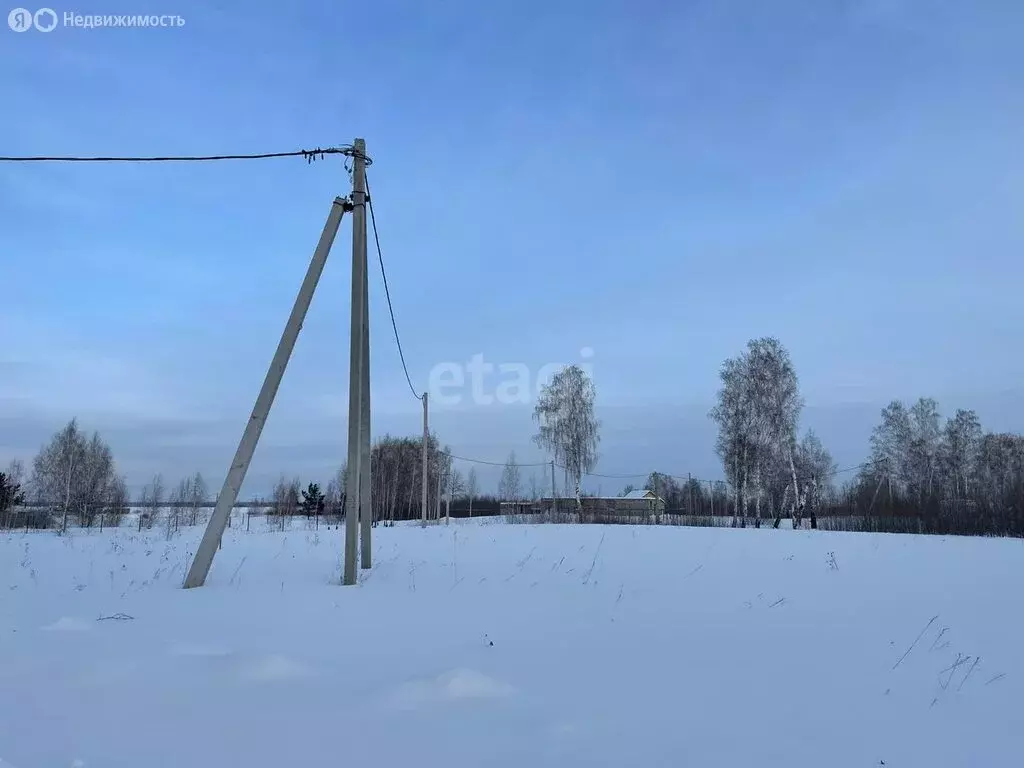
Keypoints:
pixel 641 500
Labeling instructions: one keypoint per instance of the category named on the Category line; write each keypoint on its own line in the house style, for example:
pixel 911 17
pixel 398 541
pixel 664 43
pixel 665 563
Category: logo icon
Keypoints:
pixel 20 20
pixel 45 19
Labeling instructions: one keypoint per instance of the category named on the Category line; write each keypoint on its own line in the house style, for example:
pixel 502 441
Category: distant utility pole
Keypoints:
pixel 354 495
pixel 554 503
pixel 221 516
pixel 437 499
pixel 426 442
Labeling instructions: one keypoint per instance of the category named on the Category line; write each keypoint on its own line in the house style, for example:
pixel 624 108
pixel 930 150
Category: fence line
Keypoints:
pixel 964 519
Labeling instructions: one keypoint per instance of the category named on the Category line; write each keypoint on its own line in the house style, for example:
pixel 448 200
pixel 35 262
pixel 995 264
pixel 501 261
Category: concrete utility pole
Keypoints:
pixel 365 505
pixel 353 495
pixel 201 563
pixel 426 442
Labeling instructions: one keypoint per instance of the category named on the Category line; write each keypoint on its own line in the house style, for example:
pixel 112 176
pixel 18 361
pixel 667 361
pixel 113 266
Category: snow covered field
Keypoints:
pixel 494 645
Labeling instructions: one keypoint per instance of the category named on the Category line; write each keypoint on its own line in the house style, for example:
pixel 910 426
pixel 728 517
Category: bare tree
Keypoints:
pixel 890 449
pixel 534 488
pixel 285 500
pixel 118 500
pixel 197 497
pixel 568 427
pixel 954 477
pixel 775 395
pixel 94 480
pixel 816 470
pixel 73 473
pixel 180 496
pixel 734 415
pixel 454 486
pixel 55 466
pixel 906 448
pixel 960 452
pixel 334 494
pixel 1001 470
pixel 151 500
pixel 186 499
pixel 472 487
pixel 757 413
pixel 509 487
pixel 925 442
pixel 16 472
pixel 442 465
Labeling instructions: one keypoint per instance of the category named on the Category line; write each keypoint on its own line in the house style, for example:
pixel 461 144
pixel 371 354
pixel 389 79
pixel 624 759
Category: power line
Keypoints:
pixel 492 463
pixel 349 151
pixel 387 292
pixel 619 477
pixel 310 154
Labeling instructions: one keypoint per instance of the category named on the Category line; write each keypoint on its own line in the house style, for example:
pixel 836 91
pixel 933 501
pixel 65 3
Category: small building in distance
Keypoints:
pixel 653 502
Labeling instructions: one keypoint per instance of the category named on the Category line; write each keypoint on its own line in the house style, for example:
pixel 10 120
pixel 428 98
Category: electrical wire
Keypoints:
pixel 350 152
pixel 493 463
pixel 387 292
pixel 309 154
pixel 618 477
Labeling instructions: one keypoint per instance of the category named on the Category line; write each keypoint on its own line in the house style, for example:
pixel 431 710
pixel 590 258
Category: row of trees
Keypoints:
pixel 74 477
pixel 948 476
pixel 397 485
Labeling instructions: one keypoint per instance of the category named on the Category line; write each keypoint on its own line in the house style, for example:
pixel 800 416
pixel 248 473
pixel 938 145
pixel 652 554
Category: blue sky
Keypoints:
pixel 655 181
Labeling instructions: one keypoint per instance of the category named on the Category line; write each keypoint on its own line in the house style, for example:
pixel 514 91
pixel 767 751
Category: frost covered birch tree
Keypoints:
pixel 510 486
pixel 472 487
pixel 816 469
pixel 757 413
pixel 454 485
pixel 568 426
pixel 959 453
pixel 925 439
pixel 151 500
pixel 905 449
pixel 776 409
pixel 74 473
pixel 733 414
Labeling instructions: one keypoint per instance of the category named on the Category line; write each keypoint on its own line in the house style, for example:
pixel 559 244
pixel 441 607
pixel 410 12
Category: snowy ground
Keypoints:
pixel 492 645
